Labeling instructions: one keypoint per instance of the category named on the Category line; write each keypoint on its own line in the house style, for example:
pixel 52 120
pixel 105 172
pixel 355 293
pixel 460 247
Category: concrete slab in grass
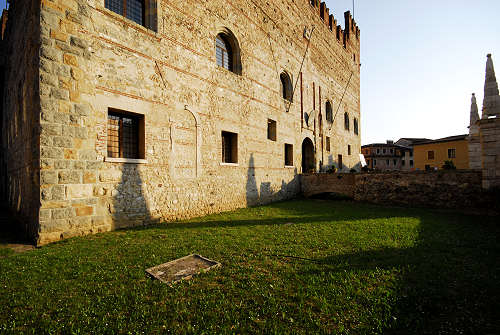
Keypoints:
pixel 182 268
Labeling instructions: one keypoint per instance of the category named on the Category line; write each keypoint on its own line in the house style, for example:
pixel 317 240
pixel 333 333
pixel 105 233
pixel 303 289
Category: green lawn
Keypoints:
pixel 341 267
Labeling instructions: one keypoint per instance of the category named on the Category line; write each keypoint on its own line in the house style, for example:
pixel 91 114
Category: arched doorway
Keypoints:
pixel 307 155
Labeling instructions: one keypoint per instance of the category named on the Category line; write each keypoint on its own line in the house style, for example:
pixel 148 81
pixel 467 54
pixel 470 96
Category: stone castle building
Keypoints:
pixel 123 112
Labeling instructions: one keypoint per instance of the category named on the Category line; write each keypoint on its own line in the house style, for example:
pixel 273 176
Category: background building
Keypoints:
pixel 384 156
pixel 432 154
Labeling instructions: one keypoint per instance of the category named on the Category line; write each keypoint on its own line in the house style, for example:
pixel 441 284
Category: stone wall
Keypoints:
pixel 93 60
pixel 339 183
pixel 21 113
pixel 458 189
pixel 437 189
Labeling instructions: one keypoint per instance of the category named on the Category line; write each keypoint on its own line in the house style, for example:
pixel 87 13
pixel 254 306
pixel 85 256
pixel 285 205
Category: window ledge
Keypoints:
pixel 125 160
pixel 289 166
pixel 229 164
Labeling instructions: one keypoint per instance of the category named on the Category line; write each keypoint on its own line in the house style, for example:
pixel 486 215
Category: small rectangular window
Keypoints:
pixel 229 147
pixel 288 154
pixel 402 163
pixel 452 153
pixel 349 149
pixel 374 162
pixel 383 151
pixel 327 144
pixel 430 154
pixel 340 162
pixel 387 162
pixel 394 161
pixel 125 135
pixel 411 162
pixel 378 151
pixel 271 130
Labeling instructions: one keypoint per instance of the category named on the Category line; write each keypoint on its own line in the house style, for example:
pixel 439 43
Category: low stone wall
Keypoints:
pixel 459 189
pixel 316 183
pixel 438 189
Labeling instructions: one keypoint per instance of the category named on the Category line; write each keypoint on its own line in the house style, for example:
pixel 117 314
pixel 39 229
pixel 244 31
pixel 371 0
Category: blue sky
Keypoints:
pixel 421 60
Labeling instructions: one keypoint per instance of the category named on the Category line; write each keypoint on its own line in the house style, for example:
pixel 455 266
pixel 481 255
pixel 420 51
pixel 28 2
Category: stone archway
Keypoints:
pixel 308 163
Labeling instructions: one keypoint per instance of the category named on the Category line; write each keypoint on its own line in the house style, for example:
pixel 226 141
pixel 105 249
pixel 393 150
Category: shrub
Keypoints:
pixel 449 165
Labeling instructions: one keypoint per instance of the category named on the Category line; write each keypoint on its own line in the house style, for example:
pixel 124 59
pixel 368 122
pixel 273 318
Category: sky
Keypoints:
pixel 421 61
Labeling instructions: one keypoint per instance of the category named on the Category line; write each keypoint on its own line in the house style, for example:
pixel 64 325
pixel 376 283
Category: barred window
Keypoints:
pixel 227 51
pixel 223 52
pixel 142 12
pixel 124 135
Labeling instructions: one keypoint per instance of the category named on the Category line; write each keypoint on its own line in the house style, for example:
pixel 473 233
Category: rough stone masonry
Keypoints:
pixel 116 118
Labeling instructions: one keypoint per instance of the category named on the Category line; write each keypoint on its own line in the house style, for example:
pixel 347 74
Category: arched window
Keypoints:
pixel 346 121
pixel 227 51
pixel 355 126
pixel 329 112
pixel 286 86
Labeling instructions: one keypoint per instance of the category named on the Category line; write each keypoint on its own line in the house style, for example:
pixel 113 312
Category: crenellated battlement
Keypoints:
pixel 349 34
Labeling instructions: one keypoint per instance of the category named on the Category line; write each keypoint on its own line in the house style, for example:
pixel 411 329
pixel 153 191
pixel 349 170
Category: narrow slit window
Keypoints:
pixel 288 154
pixel 229 147
pixel 327 144
pixel 271 130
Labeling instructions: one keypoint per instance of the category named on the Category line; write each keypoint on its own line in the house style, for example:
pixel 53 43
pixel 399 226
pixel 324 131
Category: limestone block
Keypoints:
pixel 63 213
pixel 48 177
pixel 58 192
pixel 69 177
pixel 79 191
pixel 84 211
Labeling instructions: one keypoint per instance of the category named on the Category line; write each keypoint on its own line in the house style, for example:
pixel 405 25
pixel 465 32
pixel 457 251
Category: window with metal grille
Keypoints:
pixel 430 154
pixel 286 86
pixel 356 130
pixel 142 12
pixel 223 52
pixel 123 135
pixel 327 144
pixel 346 121
pixel 452 153
pixel 288 154
pixel 271 130
pixel 229 147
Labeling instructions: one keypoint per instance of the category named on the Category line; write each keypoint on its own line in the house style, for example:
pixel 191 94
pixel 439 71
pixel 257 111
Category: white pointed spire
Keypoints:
pixel 491 102
pixel 490 84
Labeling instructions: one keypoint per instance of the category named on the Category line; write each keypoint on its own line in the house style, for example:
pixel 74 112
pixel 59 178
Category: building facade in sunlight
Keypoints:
pixel 120 113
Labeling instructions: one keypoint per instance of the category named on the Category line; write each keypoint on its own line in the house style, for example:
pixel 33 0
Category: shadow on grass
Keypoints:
pixel 448 282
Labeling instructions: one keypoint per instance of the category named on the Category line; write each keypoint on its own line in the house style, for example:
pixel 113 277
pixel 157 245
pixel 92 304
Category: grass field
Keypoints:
pixel 340 267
